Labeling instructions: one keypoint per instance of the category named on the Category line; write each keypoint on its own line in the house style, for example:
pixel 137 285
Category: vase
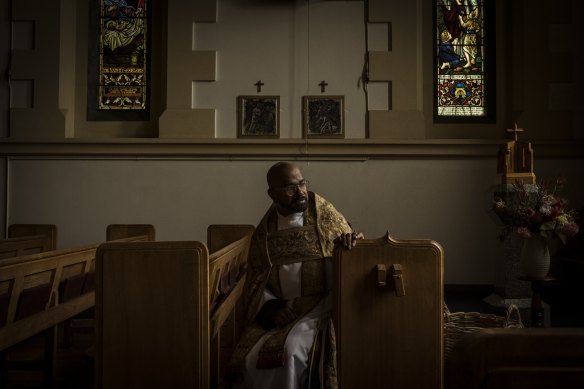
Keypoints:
pixel 535 257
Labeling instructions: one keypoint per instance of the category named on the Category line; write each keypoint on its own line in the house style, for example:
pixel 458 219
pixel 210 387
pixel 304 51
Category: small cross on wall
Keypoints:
pixel 322 86
pixel 259 85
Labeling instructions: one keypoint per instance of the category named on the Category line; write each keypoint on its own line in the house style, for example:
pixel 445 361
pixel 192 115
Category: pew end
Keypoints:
pixel 155 324
pixel 48 230
pixel 152 315
pixel 221 235
pixel 387 300
pixel 25 239
pixel 517 358
pixel 122 231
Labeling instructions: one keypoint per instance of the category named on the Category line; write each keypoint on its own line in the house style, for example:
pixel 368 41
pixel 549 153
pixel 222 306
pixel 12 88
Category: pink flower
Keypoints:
pixel 570 229
pixel 536 218
pixel 556 211
pixel 523 232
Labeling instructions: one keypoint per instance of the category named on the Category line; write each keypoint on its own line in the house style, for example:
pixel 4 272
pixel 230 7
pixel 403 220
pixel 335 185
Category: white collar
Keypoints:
pixel 288 221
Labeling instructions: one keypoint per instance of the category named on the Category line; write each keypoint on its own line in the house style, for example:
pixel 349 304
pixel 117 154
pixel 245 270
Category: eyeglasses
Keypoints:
pixel 292 188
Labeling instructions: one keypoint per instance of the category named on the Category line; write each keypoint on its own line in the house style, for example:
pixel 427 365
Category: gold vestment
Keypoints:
pixel 270 249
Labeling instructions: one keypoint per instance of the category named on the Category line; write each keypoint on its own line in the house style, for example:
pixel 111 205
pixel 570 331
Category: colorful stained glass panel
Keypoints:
pixel 123 55
pixel 460 62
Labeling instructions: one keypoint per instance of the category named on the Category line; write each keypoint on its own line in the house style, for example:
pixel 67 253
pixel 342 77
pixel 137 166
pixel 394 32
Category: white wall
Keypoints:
pixel 442 200
pixel 291 47
pixel 445 200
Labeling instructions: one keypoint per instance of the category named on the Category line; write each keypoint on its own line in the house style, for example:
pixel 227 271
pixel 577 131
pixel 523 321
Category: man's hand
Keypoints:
pixel 349 240
pixel 283 317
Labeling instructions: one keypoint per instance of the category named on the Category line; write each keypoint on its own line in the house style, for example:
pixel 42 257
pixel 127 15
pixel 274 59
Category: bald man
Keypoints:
pixel 289 340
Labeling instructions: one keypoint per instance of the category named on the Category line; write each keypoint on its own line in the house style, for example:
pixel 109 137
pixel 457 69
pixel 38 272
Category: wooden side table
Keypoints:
pixel 537 312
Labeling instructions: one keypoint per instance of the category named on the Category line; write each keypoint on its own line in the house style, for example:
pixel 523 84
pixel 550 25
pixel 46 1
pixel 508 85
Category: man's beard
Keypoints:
pixel 297 205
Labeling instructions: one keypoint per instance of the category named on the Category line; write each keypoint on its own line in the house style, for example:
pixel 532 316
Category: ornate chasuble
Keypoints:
pixel 270 249
pixel 293 245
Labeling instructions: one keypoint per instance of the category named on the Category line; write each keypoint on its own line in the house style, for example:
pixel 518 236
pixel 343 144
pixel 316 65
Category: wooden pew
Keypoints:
pixel 517 358
pixel 25 239
pixel 114 232
pixel 122 231
pixel 228 285
pixel 153 299
pixel 388 311
pixel 39 291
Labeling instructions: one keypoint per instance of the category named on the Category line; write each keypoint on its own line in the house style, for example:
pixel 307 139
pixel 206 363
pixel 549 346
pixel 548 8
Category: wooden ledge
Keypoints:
pixel 247 149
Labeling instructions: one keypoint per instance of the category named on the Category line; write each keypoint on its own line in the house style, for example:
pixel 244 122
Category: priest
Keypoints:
pixel 289 340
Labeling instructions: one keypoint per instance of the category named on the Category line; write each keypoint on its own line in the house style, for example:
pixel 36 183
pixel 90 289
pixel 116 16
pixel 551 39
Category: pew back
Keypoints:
pixel 387 309
pixel 227 280
pixel 38 291
pixel 29 292
pixel 25 239
pixel 229 245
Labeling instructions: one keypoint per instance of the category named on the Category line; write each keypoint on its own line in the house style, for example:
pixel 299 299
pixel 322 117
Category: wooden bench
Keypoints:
pixel 39 291
pixel 25 239
pixel 228 281
pixel 123 231
pixel 387 310
pixel 114 232
pixel 517 358
pixel 155 323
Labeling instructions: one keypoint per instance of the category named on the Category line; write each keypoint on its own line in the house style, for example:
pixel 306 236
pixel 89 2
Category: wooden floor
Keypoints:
pixel 73 365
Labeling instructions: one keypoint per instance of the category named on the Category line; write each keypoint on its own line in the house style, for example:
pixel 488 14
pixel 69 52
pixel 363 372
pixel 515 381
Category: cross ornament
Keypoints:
pixel 515 131
pixel 322 86
pixel 259 85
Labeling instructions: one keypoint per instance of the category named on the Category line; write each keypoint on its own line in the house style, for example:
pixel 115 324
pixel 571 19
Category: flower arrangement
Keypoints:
pixel 536 210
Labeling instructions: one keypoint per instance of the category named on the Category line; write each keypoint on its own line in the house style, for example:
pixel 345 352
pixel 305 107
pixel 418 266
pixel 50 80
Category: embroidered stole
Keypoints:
pixel 293 245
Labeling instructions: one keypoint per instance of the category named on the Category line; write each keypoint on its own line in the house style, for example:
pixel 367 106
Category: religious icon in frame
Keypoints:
pixel 258 116
pixel 323 116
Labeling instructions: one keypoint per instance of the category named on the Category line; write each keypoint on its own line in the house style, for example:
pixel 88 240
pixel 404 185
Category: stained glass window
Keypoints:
pixel 463 59
pixel 123 55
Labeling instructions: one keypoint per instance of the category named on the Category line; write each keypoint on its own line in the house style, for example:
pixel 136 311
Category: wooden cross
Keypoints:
pixel 259 85
pixel 322 85
pixel 515 131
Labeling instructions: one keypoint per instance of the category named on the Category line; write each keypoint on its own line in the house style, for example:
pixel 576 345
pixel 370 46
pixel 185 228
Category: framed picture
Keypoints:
pixel 258 116
pixel 323 116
